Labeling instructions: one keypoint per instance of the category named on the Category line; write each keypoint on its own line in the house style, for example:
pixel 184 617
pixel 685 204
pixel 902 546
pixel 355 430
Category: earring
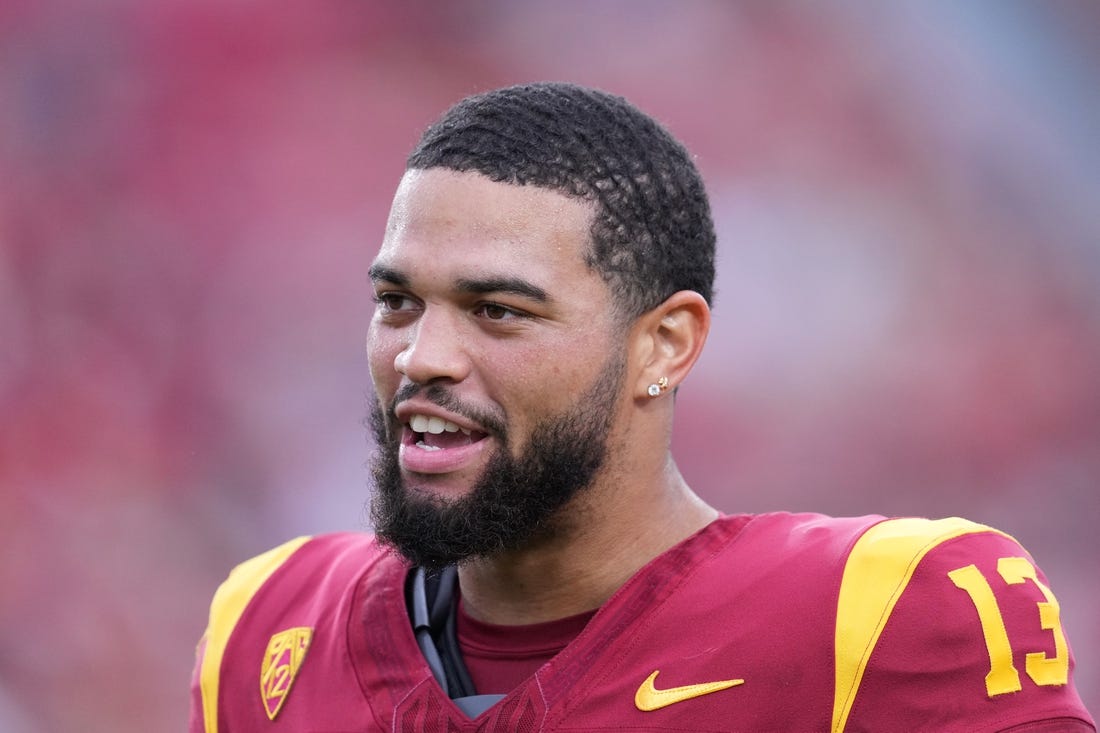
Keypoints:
pixel 658 387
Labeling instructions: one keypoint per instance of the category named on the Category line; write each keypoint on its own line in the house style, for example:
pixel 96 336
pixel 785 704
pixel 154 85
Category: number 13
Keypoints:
pixel 1003 677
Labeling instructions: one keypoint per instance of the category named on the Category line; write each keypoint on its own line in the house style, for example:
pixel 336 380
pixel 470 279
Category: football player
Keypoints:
pixel 538 563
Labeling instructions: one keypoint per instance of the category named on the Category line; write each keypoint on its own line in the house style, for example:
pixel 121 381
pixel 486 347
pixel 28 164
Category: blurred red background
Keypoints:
pixel 907 321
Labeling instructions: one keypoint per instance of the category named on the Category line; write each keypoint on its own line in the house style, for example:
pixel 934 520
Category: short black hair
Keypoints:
pixel 652 232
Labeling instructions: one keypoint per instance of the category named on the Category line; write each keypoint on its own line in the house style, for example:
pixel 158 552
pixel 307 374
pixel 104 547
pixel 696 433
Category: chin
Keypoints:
pixel 417 486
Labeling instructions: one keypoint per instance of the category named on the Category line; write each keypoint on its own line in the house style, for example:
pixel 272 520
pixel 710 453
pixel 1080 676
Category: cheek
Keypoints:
pixel 549 379
pixel 382 350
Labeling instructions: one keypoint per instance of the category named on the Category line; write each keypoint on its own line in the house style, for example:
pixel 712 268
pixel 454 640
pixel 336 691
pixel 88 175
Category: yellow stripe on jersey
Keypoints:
pixel 878 569
pixel 225 611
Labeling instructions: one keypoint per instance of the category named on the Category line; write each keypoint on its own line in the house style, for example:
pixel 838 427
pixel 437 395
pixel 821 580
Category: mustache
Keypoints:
pixel 491 422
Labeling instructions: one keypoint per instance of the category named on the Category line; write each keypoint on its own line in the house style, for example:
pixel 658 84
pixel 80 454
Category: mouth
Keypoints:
pixel 433 433
pixel 431 444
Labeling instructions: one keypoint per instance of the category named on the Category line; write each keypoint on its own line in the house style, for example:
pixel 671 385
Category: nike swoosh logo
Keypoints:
pixel 650 698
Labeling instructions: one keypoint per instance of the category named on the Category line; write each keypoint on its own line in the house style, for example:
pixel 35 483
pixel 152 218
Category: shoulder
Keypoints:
pixel 280 597
pixel 329 561
pixel 884 558
pixel 954 618
pixel 798 540
pixel 326 549
pixel 772 554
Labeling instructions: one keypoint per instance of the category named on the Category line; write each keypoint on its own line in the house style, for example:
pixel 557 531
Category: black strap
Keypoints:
pixel 421 613
pixel 433 607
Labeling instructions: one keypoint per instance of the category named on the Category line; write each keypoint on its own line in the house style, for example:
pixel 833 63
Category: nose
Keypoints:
pixel 435 350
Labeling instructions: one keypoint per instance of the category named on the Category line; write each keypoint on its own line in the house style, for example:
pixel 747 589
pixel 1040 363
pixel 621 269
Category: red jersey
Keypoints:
pixel 775 622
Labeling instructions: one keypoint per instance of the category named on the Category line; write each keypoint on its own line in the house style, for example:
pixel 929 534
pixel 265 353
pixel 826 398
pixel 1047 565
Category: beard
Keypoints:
pixel 515 502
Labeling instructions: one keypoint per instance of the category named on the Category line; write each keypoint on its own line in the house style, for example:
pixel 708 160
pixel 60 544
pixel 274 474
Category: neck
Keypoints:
pixel 605 536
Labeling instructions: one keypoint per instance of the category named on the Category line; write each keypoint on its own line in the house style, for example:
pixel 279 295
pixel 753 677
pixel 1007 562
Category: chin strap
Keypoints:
pixel 432 604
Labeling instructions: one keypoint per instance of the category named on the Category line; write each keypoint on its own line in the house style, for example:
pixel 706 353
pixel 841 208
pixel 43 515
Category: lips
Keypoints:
pixel 431 443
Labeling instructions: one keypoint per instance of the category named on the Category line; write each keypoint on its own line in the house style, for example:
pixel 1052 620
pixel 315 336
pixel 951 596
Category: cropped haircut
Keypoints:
pixel 651 234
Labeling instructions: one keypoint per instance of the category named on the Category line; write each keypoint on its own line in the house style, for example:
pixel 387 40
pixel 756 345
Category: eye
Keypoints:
pixel 498 312
pixel 393 302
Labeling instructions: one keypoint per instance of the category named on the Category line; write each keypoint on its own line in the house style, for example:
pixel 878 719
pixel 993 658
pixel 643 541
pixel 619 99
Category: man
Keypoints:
pixel 542 289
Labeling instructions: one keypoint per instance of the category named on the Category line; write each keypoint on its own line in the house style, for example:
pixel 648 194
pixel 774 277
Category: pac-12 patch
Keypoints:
pixel 283 659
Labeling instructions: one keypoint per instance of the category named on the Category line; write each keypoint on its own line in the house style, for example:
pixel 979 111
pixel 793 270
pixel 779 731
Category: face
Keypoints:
pixel 497 364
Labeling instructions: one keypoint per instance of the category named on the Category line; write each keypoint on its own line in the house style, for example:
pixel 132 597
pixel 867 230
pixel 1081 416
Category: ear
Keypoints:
pixel 668 341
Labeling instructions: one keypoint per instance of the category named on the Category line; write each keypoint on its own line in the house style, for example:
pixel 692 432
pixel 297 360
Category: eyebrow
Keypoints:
pixel 476 286
pixel 381 273
pixel 511 285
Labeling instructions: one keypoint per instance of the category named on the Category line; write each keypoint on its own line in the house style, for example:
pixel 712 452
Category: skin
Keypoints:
pixel 482 287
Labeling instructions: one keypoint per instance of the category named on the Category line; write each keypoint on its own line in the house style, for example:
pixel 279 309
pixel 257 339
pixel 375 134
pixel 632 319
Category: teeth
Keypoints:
pixel 424 446
pixel 434 425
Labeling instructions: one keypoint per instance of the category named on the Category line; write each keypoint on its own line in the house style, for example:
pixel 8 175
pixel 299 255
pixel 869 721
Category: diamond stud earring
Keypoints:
pixel 657 387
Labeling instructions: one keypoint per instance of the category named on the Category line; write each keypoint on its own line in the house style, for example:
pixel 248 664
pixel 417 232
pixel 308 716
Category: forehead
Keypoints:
pixel 448 218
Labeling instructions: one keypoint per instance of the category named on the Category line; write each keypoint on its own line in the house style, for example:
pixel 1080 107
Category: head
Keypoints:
pixel 546 246
pixel 651 232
